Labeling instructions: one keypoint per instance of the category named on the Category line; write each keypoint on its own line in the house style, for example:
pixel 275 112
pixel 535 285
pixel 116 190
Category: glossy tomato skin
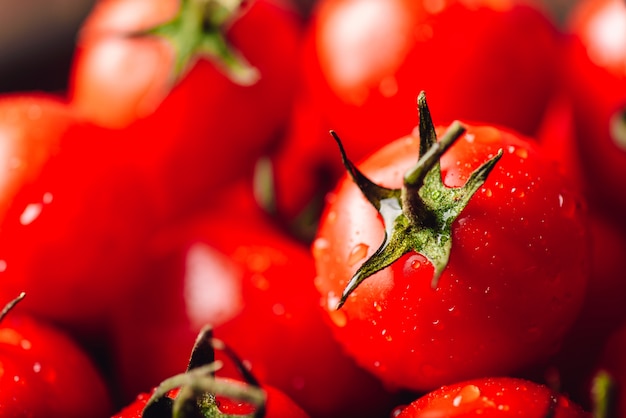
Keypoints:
pixel 365 61
pixel 46 373
pixel 232 269
pixel 493 397
pixel 595 75
pixel 73 238
pixel 207 129
pixel 513 285
pixel 31 128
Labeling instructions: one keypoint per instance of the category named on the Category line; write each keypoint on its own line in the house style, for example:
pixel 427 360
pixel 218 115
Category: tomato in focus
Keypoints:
pixel 513 285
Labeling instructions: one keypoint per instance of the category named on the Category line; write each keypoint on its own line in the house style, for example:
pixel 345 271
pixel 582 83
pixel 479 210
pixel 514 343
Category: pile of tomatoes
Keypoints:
pixel 372 208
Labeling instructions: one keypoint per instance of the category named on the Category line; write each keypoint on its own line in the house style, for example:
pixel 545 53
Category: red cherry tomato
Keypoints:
pixel 210 395
pixel 204 129
pixel 595 73
pixel 512 286
pixel 232 269
pixel 74 237
pixel 365 61
pixel 493 397
pixel 46 373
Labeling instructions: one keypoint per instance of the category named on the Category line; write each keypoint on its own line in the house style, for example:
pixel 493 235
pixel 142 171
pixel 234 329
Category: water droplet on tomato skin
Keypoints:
pixel 338 317
pixel 320 247
pixel 467 394
pixel 358 253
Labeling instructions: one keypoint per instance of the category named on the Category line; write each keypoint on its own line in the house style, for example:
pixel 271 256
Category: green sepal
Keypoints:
pixel 419 215
pixel 197 31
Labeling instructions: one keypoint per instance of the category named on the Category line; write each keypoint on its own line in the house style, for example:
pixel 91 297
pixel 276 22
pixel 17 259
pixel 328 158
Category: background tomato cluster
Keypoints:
pixel 164 166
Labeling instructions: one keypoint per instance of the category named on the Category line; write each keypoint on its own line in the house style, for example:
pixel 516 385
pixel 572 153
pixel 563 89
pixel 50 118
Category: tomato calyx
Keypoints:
pixel 198 387
pixel 197 31
pixel 419 215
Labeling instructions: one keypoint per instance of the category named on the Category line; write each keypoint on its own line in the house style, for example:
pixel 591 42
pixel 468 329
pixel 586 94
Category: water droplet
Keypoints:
pixel 338 317
pixel 358 253
pixel 522 153
pixel 438 324
pixel 378 307
pixel 260 281
pixel 30 213
pixel 467 394
pixel 3 266
pixel 470 137
pixel 278 309
pixel 47 198
pixel 37 367
pixel 320 247
pixel 487 191
pixel 388 86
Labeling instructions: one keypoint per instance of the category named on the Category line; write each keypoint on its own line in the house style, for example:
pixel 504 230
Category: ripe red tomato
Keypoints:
pixel 205 129
pixel 595 74
pixel 46 373
pixel 209 394
pixel 494 397
pixel 232 269
pixel 511 288
pixel 31 128
pixel 73 238
pixel 365 61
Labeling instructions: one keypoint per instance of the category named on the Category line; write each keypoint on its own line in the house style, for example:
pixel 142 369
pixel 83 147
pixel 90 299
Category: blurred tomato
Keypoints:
pixel 231 269
pixel 595 76
pixel 191 124
pixel 365 61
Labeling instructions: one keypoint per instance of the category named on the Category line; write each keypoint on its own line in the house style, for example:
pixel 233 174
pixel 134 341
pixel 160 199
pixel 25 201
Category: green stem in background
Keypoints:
pixel 197 31
pixel 419 215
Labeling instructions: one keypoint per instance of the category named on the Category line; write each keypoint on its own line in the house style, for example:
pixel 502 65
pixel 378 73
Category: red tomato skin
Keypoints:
pixel 262 303
pixel 493 397
pixel 594 71
pixel 31 128
pixel 73 238
pixel 513 285
pixel 46 373
pixel 364 62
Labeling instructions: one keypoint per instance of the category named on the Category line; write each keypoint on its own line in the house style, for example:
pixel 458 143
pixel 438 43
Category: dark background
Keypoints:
pixel 37 40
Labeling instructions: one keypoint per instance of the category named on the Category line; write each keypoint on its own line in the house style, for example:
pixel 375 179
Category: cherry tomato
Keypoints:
pixel 493 397
pixel 190 126
pixel 365 61
pixel 73 237
pixel 595 75
pixel 199 390
pixel 46 373
pixel 232 269
pixel 511 287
